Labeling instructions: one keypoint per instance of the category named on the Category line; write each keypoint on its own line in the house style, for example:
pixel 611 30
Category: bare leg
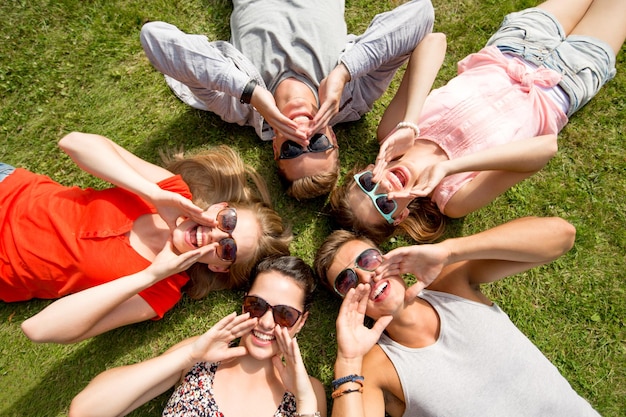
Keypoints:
pixel 568 12
pixel 605 20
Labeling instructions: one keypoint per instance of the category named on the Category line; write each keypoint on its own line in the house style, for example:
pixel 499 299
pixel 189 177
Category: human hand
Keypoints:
pixel 168 262
pixel 265 104
pixel 171 206
pixel 354 339
pixel 395 144
pixel 428 179
pixel 425 262
pixel 214 345
pixel 330 92
pixel 292 370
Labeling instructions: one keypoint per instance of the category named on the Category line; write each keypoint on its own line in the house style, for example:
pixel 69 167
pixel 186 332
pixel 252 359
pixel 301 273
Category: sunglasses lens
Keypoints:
pixel 290 149
pixel 227 220
pixel 366 181
pixel 345 280
pixel 227 249
pixel 255 306
pixel 319 143
pixel 285 316
pixel 385 205
pixel 369 260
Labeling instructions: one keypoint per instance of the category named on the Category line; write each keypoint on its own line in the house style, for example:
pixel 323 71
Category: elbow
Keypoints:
pixel 33 331
pixel 552 146
pixel 565 233
pixel 38 332
pixel 81 407
pixel 70 140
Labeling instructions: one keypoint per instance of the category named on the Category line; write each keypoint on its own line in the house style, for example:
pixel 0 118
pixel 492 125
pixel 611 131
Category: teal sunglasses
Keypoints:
pixel 385 206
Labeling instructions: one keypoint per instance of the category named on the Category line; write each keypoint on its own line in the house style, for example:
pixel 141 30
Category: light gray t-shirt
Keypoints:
pixel 481 365
pixel 290 38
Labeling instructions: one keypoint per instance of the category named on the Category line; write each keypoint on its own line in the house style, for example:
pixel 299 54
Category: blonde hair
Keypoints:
pixel 425 223
pixel 219 174
pixel 274 239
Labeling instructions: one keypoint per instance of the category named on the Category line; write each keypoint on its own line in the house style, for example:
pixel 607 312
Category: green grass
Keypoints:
pixel 75 65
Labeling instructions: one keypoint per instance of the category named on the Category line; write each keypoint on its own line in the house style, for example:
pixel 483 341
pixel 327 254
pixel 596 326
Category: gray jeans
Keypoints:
pixel 586 63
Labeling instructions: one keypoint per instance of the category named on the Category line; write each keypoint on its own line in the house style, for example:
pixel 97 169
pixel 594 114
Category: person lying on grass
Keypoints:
pixel 125 254
pixel 262 375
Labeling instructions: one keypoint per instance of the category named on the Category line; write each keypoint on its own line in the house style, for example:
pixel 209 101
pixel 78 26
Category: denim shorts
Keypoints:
pixel 5 170
pixel 586 63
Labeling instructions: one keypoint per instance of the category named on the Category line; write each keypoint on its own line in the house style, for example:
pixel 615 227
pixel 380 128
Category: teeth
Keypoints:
pixel 380 289
pixel 263 336
pixel 199 242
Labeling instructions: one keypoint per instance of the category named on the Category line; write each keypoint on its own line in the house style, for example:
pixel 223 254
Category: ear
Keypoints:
pixel 217 268
pixel 403 215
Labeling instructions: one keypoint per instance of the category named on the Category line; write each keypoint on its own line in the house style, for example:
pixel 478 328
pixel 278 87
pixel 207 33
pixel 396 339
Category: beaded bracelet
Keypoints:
pixel 410 125
pixel 315 414
pixel 246 96
pixel 337 393
pixel 349 378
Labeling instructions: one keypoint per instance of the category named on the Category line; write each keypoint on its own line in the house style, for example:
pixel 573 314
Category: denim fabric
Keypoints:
pixel 586 63
pixel 5 170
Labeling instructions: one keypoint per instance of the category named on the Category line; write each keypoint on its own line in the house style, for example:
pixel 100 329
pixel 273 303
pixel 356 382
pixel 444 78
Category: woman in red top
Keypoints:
pixel 123 255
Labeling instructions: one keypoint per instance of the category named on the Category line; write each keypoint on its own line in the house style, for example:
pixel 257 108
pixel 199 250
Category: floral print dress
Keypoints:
pixel 194 396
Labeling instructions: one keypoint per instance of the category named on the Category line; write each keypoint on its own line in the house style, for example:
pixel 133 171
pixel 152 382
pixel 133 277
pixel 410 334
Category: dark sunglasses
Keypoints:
pixel 284 316
pixel 368 260
pixel 318 143
pixel 227 221
pixel 384 205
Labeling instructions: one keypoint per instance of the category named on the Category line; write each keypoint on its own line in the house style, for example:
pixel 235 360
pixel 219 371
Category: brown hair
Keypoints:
pixel 292 267
pixel 219 174
pixel 425 223
pixel 326 253
pixel 314 185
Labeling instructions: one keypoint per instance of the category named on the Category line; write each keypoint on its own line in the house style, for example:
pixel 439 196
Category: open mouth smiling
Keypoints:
pixel 398 178
pixel 196 237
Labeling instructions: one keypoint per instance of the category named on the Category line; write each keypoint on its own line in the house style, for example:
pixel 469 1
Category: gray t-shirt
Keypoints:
pixel 481 365
pixel 290 38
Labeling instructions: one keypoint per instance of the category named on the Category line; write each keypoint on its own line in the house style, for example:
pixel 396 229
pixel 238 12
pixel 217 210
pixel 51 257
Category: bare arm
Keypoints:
pixel 354 341
pixel 487 256
pixel 105 159
pixel 407 104
pixel 516 160
pixel 418 79
pixel 118 391
pixel 107 306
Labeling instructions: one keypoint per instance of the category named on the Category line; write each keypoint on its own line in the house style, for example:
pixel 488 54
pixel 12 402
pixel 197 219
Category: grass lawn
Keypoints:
pixel 71 65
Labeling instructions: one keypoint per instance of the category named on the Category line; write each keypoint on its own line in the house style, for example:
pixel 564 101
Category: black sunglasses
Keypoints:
pixel 368 260
pixel 318 143
pixel 285 316
pixel 226 222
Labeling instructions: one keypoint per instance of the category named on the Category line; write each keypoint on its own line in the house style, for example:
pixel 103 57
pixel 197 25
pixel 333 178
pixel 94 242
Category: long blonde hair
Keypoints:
pixel 219 174
pixel 425 223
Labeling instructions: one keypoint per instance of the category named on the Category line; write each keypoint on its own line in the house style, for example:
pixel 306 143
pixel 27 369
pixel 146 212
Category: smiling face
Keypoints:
pixel 190 235
pixel 386 295
pixel 395 178
pixel 276 289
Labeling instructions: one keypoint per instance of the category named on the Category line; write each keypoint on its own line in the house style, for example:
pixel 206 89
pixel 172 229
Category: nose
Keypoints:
pixel 365 277
pixel 266 321
pixel 216 234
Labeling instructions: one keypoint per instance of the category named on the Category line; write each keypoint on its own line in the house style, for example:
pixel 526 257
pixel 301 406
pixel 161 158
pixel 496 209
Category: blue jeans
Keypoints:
pixel 5 170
